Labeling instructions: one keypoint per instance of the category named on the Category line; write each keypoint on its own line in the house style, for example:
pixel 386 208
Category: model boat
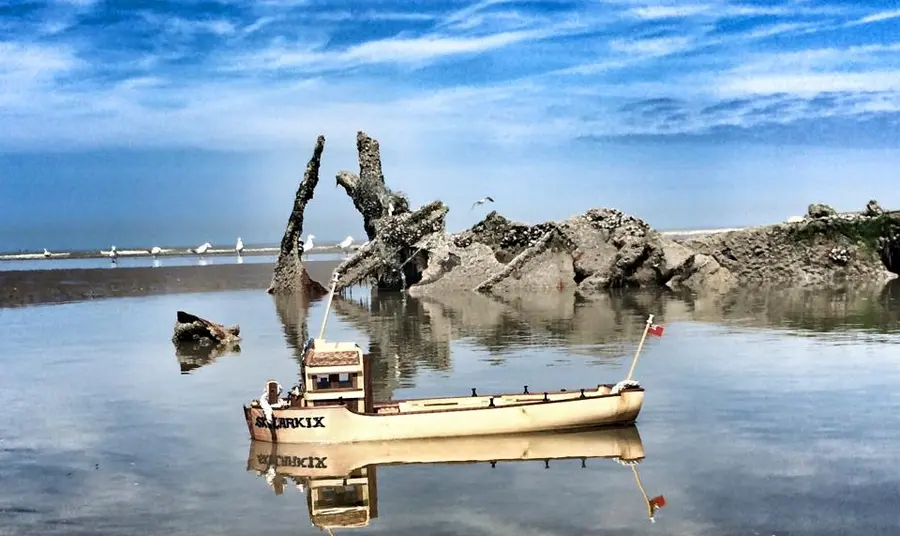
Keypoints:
pixel 333 403
pixel 340 480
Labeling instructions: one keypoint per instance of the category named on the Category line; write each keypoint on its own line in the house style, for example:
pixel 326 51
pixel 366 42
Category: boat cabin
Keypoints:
pixel 335 373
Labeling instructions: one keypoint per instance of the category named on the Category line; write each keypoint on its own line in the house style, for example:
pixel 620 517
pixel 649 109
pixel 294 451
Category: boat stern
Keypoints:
pixel 630 403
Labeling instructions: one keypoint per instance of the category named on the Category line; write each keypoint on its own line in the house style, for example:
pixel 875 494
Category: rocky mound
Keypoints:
pixel 601 249
pixel 823 248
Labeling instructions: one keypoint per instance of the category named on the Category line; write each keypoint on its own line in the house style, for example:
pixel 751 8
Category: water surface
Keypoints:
pixel 763 414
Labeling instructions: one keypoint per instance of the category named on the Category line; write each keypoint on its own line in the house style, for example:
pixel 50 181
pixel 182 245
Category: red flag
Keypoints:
pixel 657 502
pixel 655 329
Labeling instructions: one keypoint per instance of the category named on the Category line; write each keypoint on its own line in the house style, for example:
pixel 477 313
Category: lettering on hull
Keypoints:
pixel 291 422
pixel 308 462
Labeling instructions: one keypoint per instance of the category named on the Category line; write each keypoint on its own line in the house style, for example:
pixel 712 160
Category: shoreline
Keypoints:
pixel 21 288
pixel 167 252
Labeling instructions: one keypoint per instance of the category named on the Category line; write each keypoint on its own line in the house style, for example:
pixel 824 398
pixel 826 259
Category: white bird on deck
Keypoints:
pixel 345 244
pixel 482 201
pixel 155 250
pixel 239 247
pixel 203 248
pixel 113 254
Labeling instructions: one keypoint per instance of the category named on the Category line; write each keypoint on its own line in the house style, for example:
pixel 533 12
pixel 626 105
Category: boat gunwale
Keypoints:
pixel 448 410
pixel 559 392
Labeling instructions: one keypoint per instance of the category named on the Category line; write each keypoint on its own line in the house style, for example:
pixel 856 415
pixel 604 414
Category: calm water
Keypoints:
pixel 764 415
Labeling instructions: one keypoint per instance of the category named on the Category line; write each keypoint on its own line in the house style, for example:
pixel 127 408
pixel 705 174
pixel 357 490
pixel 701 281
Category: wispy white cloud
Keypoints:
pixel 186 26
pixel 79 3
pixel 669 11
pixel 659 46
pixel 881 16
pixel 808 84
pixel 501 69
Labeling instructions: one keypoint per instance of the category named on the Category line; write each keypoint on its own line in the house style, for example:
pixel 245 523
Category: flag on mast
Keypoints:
pixel 655 329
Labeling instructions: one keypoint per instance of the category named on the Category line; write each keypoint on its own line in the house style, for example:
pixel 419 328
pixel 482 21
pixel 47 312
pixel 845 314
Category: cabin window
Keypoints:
pixel 334 381
pixel 337 496
pixel 322 382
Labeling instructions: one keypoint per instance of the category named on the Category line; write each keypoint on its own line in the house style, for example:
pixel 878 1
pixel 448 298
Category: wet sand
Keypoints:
pixel 34 287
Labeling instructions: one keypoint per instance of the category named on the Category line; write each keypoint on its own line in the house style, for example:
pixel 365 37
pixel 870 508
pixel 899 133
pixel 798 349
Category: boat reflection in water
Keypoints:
pixel 340 479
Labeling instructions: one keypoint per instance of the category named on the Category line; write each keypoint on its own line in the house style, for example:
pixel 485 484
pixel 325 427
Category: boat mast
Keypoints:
pixel 641 345
pixel 334 281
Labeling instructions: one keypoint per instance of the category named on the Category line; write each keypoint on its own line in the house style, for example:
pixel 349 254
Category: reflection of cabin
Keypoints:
pixel 349 501
pixel 336 373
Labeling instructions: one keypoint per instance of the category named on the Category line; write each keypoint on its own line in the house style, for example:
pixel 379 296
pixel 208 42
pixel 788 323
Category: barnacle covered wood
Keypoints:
pixel 192 328
pixel 392 259
pixel 370 195
pixel 289 275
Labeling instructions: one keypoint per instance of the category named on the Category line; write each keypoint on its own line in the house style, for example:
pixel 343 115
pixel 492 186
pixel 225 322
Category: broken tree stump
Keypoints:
pixel 370 195
pixel 391 258
pixel 289 275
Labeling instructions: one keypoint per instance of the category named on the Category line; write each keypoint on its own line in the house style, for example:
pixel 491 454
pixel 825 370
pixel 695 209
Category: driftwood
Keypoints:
pixel 289 275
pixel 393 257
pixel 370 195
pixel 191 328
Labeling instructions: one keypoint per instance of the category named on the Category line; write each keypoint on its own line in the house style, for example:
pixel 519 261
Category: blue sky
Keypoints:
pixel 161 120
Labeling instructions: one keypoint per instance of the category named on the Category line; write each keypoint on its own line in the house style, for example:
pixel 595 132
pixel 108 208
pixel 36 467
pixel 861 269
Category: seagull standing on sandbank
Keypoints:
pixel 307 245
pixel 203 248
pixel 345 244
pixel 239 247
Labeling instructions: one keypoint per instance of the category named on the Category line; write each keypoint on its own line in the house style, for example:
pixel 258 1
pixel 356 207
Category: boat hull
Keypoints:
pixel 317 460
pixel 337 424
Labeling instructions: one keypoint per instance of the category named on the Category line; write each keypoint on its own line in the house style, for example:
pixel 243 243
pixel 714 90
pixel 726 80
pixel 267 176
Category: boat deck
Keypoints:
pixel 483 401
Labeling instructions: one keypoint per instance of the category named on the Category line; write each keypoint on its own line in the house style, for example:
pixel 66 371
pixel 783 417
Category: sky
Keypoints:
pixel 181 122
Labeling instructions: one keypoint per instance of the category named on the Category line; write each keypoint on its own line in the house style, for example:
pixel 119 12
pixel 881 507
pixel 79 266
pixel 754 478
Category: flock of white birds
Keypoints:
pixel 304 245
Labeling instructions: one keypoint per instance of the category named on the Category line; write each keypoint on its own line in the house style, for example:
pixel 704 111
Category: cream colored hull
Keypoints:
pixel 337 460
pixel 337 424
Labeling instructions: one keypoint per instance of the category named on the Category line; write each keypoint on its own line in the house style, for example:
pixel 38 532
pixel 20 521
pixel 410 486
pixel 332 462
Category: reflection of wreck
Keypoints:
pixel 409 333
pixel 340 480
pixel 402 338
pixel 193 355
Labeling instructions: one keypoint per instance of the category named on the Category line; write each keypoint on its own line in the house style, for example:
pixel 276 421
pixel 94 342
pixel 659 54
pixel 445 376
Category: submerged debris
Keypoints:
pixel 192 328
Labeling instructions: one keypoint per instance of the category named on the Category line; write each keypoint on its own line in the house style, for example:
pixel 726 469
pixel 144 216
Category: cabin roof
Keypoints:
pixel 332 354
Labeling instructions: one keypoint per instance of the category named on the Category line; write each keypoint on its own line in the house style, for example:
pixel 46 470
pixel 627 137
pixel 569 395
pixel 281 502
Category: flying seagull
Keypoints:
pixel 482 201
